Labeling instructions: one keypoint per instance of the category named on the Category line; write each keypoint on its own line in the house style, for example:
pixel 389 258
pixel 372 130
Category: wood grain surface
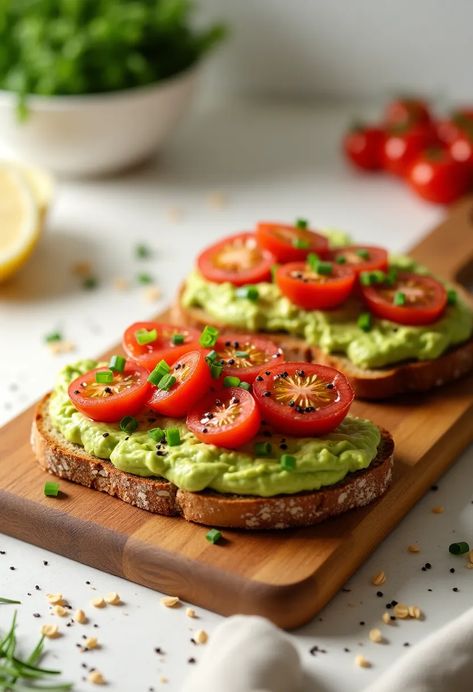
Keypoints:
pixel 288 575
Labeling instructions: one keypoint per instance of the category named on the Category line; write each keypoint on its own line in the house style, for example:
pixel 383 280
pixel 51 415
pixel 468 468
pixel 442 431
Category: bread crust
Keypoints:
pixel 70 461
pixel 379 383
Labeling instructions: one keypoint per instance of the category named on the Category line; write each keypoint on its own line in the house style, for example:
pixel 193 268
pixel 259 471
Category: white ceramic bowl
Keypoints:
pixel 97 133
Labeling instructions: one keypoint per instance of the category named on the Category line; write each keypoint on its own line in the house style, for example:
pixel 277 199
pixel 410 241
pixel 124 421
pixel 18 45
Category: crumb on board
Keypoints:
pixel 438 509
pixel 151 293
pixel 375 635
pixel 56 599
pixel 362 662
pixel 190 612
pixel 378 578
pixel 401 610
pixel 113 598
pixel 91 643
pixel 81 268
pixel 50 631
pixel 201 637
pixel 216 199
pixel 98 602
pixel 120 283
pixel 60 611
pixel 170 601
pixel 96 678
pixel 413 548
pixel 80 616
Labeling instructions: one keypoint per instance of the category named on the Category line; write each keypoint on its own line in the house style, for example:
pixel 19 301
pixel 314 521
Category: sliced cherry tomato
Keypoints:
pixel 163 347
pixel 437 177
pixel 407 111
pixel 361 258
pixel 412 299
pixel 290 243
pixel 461 148
pixel 193 381
pixel 312 290
pixel 243 355
pixel 228 418
pixel 363 146
pixel 303 399
pixel 403 146
pixel 124 396
pixel 238 259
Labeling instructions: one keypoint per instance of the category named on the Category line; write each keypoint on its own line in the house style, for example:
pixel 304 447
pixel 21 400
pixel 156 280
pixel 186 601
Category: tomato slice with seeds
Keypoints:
pixel 243 355
pixel 193 381
pixel 290 243
pixel 303 399
pixel 361 258
pixel 124 396
pixel 312 290
pixel 238 259
pixel 228 418
pixel 162 348
pixel 424 299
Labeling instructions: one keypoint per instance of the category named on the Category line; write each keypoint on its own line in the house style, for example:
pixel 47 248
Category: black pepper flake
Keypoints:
pixel 434 488
pixel 3 552
pixel 429 589
pixel 283 445
pixel 406 644
pixel 259 378
pixel 347 650
pixel 36 615
pixel 392 617
pixel 330 385
pixel 452 570
pixel 45 563
pixel 88 583
pixel 379 594
pixel 191 660
pixel 105 434
pixel 267 394
pixel 362 622
pixel 394 603
pixel 456 589
pixel 267 433
pixel 158 650
pixel 12 568
pixel 345 590
pixel 267 373
pixel 388 606
pixel 38 588
pixel 95 625
pixel 428 565
pixel 84 665
pixel 193 641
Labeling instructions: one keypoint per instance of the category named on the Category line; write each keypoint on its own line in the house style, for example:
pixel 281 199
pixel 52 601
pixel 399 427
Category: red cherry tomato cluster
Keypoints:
pixel 434 156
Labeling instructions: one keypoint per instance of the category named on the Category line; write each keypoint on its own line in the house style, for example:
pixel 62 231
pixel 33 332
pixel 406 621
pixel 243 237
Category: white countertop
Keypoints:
pixel 224 170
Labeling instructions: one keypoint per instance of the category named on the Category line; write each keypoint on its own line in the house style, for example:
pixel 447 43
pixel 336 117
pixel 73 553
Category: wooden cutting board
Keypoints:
pixel 288 575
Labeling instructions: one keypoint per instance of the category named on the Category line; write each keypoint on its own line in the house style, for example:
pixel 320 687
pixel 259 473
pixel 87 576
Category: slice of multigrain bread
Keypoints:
pixel 62 458
pixel 381 383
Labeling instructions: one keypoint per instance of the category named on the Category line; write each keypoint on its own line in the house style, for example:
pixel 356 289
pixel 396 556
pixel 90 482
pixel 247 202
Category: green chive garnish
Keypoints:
pixel 51 489
pixel 242 354
pixel 245 385
pixel 8 601
pixel 53 336
pixel 104 376
pixel 399 298
pixel 156 434
pixel 230 381
pixel 166 382
pixel 287 462
pixel 177 339
pixel 213 536
pixel 143 336
pixel 452 296
pixel 274 269
pixel 156 375
pixel 144 278
pixel 341 259
pixel 211 356
pixel 248 292
pixel 173 437
pixel 459 548
pixel 117 363
pixel 364 254
pixel 300 243
pixel 391 277
pixel 216 370
pixel 302 223
pixel 263 449
pixel 374 277
pixel 365 321
pixel 128 424
pixel 325 268
pixel 209 337
pixel 142 251
pixel 313 261
pixel 90 283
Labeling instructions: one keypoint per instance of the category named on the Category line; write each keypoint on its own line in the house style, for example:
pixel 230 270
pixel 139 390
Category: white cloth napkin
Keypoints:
pixel 249 654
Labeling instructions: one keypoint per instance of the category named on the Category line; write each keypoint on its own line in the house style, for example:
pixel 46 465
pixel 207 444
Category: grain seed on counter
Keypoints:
pixel 190 612
pixel 413 548
pixel 98 603
pixel 163 680
pixel 378 579
pixel 50 631
pixel 401 611
pixel 151 294
pixel 60 611
pixel 91 643
pixel 387 618
pixel 121 284
pixel 96 678
pixel 361 662
pixel 438 509
pixel 56 599
pixel 170 601
pixel 113 598
pixel 415 612
pixel 375 635
pixel 201 637
pixel 80 617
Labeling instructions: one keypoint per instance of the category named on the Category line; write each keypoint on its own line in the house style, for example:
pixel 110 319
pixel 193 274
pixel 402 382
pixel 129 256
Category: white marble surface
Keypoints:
pixel 264 160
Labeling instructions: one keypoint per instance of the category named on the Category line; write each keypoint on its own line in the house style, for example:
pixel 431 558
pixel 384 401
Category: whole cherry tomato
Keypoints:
pixel 407 111
pixel 461 148
pixel 403 145
pixel 363 147
pixel 437 177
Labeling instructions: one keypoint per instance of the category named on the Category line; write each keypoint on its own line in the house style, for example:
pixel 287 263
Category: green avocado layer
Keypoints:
pixel 194 465
pixel 334 331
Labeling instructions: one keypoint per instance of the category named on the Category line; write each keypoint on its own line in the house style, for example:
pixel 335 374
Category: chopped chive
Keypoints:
pixel 391 277
pixel 274 269
pixel 211 356
pixel 8 601
pixel 341 259
pixel 365 321
pixel 177 339
pixel 375 277
pixel 104 376
pixel 51 489
pixel 128 424
pixel 90 283
pixel 144 278
pixel 166 382
pixel 142 251
pixel 117 363
pixel 156 434
pixel 263 449
pixel 216 370
pixel 302 224
pixel 213 536
pixel 459 548
pixel 245 385
pixel 143 336
pixel 363 253
pixel 230 381
pixel 325 268
pixel 53 336
pixel 248 292
pixel 399 298
pixel 209 337
pixel 173 437
pixel 156 375
pixel 242 354
pixel 287 462
pixel 300 243
pixel 452 296
pixel 313 261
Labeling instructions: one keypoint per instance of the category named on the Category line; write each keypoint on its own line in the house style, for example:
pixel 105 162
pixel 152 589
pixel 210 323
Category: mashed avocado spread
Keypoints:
pixel 194 465
pixel 334 331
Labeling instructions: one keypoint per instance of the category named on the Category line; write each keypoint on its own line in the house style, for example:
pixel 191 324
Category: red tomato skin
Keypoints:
pixel 149 355
pixel 447 130
pixel 461 149
pixel 240 434
pixel 178 401
pixel 325 297
pixel 439 179
pixel 406 315
pixel 114 408
pixel 379 261
pixel 401 149
pixel 284 251
pixel 287 421
pixel 240 276
pixel 248 374
pixel 363 147
pixel 408 111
